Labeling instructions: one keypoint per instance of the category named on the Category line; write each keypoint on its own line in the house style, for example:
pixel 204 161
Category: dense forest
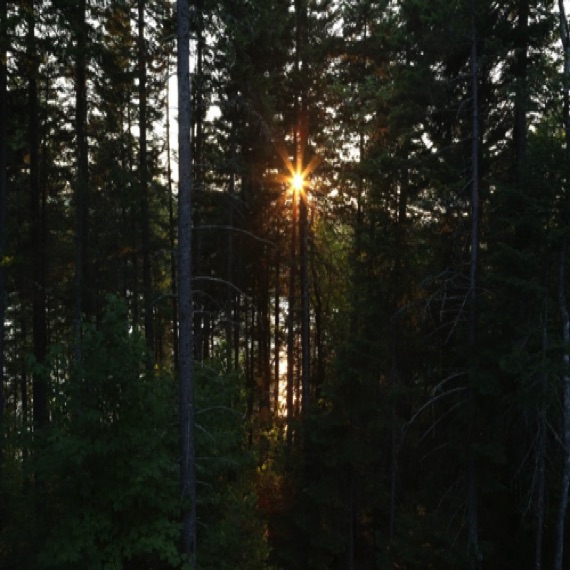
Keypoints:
pixel 284 284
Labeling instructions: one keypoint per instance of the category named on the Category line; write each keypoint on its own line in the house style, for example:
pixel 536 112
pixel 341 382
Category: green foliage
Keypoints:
pixel 110 467
pixel 231 533
pixel 105 493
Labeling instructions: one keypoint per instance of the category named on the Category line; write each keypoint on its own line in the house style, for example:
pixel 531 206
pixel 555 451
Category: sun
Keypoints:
pixel 297 182
pixel 297 178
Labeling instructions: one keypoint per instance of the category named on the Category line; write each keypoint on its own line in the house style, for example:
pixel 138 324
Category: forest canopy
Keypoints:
pixel 283 284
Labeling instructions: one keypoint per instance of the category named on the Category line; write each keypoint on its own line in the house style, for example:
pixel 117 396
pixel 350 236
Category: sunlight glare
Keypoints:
pixel 297 182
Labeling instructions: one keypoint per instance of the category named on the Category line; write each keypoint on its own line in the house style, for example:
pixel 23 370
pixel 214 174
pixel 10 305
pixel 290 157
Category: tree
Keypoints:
pixel 472 516
pixel 186 343
pixel 3 205
pixel 38 226
pixel 563 307
pixel 143 178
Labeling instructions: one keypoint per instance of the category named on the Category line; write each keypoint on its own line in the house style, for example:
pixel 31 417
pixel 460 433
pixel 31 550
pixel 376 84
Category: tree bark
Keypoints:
pixel 521 70
pixel 201 339
pixel 230 255
pixel 39 323
pixel 305 316
pixel 472 514
pixel 82 305
pixel 564 315
pixel 540 461
pixel 277 337
pixel 3 204
pixel 291 326
pixel 302 126
pixel 185 365
pixel 171 236
pixel 143 181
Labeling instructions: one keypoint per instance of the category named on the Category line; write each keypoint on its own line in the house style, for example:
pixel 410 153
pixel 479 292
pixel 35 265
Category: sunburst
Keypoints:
pixel 297 176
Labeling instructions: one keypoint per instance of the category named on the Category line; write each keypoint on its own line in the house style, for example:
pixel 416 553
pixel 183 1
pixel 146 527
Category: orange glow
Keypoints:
pixel 297 182
pixel 298 174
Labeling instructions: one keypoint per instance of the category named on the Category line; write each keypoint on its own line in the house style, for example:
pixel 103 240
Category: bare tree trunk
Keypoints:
pixel 277 337
pixel 201 339
pixel 291 326
pixel 563 505
pixel 143 181
pixel 302 141
pixel 39 324
pixel 186 364
pixel 521 97
pixel 564 316
pixel 171 236
pixel 82 180
pixel 472 514
pixel 230 255
pixel 3 187
pixel 541 452
pixel 305 317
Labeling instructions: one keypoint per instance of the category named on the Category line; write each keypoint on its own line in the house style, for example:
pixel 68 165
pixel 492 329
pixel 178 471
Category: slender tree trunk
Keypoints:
pixel 291 326
pixel 563 505
pixel 318 339
pixel 143 181
pixel 302 141
pixel 305 317
pixel 564 315
pixel 230 256
pixel 82 304
pixel 350 514
pixel 277 337
pixel 171 236
pixel 3 204
pixel 39 324
pixel 264 342
pixel 185 365
pixel 541 451
pixel 133 233
pixel 197 126
pixel 521 97
pixel 472 513
pixel 237 316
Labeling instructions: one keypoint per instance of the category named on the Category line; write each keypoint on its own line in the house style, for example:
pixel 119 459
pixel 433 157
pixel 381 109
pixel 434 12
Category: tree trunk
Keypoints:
pixel 171 236
pixel 197 127
pixel 291 326
pixel 185 365
pixel 82 305
pixel 521 97
pixel 564 316
pixel 39 324
pixel 230 255
pixel 143 181
pixel 565 321
pixel 472 514
pixel 277 337
pixel 302 141
pixel 3 203
pixel 540 460
pixel 305 318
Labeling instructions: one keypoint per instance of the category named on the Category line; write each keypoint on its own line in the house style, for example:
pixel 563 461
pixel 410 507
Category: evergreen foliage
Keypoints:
pixel 437 352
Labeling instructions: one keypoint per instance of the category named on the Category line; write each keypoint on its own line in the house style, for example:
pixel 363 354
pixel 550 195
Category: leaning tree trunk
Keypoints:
pixel 185 351
pixel 564 316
